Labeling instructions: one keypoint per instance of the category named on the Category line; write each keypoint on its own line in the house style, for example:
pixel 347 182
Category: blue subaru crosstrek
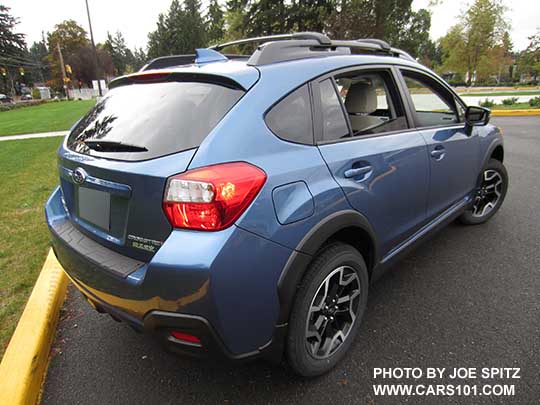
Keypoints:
pixel 240 206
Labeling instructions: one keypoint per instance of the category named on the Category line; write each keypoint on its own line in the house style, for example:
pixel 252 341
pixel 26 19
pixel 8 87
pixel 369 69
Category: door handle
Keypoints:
pixel 357 171
pixel 438 153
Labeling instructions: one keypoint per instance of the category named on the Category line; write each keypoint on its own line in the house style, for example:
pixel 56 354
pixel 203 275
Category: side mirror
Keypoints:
pixel 477 116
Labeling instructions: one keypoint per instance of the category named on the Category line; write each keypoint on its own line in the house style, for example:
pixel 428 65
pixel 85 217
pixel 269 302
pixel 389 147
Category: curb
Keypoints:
pixel 32 136
pixel 514 113
pixel 25 361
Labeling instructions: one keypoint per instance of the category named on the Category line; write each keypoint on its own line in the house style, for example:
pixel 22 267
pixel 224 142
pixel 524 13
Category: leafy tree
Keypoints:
pixel 69 35
pixel 11 43
pixel 454 51
pixel 83 66
pixel 529 59
pixel 484 26
pixel 476 46
pixel 71 38
pixel 215 22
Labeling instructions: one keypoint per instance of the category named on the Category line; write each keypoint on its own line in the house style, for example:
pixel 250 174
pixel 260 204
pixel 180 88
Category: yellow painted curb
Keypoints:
pixel 25 361
pixel 514 113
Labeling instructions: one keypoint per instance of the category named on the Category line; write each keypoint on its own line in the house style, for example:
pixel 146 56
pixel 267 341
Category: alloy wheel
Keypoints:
pixel 488 194
pixel 332 312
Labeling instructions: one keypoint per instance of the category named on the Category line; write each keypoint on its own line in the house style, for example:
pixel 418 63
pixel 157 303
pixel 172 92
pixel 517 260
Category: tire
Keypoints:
pixel 480 212
pixel 341 265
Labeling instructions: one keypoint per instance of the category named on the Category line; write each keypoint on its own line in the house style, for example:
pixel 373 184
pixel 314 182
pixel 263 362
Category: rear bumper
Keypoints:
pixel 221 285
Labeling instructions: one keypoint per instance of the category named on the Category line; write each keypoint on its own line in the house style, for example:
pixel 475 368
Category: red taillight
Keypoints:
pixel 211 198
pixel 185 337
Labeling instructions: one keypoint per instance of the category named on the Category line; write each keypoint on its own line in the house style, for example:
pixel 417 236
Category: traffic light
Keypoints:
pixel 21 71
pixel 3 70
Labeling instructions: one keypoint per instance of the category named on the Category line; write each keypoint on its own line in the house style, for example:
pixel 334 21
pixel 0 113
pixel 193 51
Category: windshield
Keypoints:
pixel 145 121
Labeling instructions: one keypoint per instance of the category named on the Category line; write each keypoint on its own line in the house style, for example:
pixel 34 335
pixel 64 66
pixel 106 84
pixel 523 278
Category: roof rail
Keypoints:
pixel 281 51
pixel 317 36
pixel 285 47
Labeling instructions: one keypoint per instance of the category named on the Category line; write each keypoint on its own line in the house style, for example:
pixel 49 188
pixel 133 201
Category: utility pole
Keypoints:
pixel 63 68
pixel 96 63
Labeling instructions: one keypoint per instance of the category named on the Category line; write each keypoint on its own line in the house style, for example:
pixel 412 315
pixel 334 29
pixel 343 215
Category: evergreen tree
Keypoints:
pixel 121 55
pixel 11 43
pixel 215 23
pixel 179 31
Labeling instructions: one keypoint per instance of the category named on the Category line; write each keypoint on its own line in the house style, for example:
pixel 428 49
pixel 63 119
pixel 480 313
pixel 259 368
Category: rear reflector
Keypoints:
pixel 185 337
pixel 211 198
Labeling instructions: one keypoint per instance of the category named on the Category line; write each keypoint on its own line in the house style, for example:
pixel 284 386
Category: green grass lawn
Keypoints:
pixel 49 117
pixel 29 174
pixel 532 93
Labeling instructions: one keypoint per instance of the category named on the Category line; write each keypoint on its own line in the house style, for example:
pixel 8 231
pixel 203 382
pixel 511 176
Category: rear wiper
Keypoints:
pixel 113 146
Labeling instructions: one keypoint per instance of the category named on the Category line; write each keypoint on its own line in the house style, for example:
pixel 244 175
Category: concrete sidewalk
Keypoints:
pixel 30 136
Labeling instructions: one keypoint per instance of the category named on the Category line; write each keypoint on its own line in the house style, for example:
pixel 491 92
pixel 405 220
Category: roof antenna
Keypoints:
pixel 205 55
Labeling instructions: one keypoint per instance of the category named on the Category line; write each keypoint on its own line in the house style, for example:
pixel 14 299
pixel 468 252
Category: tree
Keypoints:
pixel 382 19
pixel 309 15
pixel 414 35
pixel 529 59
pixel 215 23
pixel 12 50
pixel 476 46
pixel 38 54
pixel 82 64
pixel 266 17
pixel 454 51
pixel 484 26
pixel 139 59
pixel 179 31
pixel 121 55
pixel 11 43
pixel 70 37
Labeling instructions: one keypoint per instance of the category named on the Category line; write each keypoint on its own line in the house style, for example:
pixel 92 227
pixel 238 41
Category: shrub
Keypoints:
pixel 534 102
pixel 8 107
pixel 487 103
pixel 510 101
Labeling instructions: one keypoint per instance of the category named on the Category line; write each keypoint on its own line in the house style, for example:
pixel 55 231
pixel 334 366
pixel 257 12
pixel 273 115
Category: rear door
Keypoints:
pixel 115 162
pixel 453 152
pixel 378 160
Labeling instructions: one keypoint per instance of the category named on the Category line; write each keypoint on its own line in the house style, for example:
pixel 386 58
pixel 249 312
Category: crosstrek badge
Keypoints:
pixel 139 242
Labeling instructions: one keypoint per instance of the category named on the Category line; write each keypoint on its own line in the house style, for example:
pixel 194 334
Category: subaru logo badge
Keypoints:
pixel 78 176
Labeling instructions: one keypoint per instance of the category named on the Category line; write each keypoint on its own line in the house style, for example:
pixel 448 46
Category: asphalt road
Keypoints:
pixel 470 297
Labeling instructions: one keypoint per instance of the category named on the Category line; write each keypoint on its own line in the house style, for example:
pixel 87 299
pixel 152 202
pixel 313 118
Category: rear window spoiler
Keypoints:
pixel 161 76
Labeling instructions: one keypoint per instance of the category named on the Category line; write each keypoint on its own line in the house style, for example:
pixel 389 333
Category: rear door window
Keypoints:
pixel 334 123
pixel 371 101
pixel 290 119
pixel 146 121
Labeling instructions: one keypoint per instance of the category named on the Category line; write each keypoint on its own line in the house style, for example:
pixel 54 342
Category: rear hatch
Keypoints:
pixel 115 162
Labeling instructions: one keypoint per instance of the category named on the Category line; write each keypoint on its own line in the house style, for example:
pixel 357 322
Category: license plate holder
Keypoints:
pixel 95 207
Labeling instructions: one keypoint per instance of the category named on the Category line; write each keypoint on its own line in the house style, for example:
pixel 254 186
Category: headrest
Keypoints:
pixel 361 98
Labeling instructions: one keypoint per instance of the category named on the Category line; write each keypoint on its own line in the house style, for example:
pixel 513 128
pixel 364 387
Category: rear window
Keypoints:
pixel 145 121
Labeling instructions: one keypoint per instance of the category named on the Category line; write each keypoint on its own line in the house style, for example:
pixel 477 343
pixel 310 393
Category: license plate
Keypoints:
pixel 95 207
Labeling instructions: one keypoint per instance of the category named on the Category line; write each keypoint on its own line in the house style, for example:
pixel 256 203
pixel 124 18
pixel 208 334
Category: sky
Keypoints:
pixel 135 18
